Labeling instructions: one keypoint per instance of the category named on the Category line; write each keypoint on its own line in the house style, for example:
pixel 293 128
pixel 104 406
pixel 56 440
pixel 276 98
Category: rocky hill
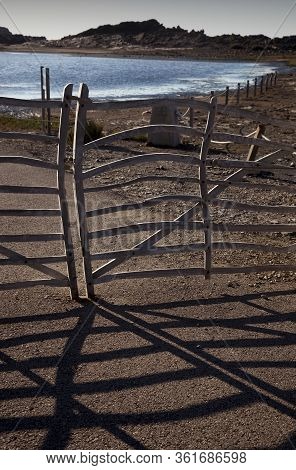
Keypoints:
pixel 151 37
pixel 7 38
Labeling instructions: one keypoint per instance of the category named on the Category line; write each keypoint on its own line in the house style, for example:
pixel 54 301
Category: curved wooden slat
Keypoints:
pixel 216 163
pixel 145 226
pixel 16 102
pixel 253 228
pixel 146 103
pixel 138 131
pixel 138 159
pixel 239 139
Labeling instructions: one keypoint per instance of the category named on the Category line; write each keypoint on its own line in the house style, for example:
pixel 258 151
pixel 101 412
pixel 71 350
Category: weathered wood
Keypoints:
pixel 204 187
pixel 226 95
pixel 255 86
pixel 78 146
pixel 145 226
pixel 42 98
pixel 47 91
pixel 191 116
pixel 248 89
pixel 254 148
pixel 28 136
pixel 145 103
pixel 239 139
pixel 138 131
pixel 63 200
pixel 28 161
pixel 139 159
pixel 216 163
pixel 30 103
pixel 261 84
pixel 238 93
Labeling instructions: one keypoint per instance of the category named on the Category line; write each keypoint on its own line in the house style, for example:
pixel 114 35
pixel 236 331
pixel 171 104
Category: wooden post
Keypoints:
pixel 255 86
pixel 254 148
pixel 261 85
pixel 205 204
pixel 238 93
pixel 248 89
pixel 275 77
pixel 227 95
pixel 191 115
pixel 42 97
pixel 266 82
pixel 79 133
pixel 63 134
pixel 212 94
pixel 47 84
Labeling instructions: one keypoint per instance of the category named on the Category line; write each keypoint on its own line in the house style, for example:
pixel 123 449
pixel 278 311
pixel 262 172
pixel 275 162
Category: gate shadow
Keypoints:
pixel 112 342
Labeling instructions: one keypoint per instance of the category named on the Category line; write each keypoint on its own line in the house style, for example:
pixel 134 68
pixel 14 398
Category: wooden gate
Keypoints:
pixel 202 217
pixel 11 254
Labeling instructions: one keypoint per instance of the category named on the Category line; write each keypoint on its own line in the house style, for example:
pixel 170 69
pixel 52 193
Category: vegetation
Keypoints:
pixel 15 124
pixel 93 131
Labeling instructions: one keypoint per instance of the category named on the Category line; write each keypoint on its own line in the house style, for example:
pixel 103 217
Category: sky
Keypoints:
pixel 57 18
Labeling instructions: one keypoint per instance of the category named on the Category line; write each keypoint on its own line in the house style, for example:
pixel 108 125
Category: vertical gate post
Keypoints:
pixel 42 98
pixel 47 88
pixel 63 134
pixel 204 188
pixel 78 144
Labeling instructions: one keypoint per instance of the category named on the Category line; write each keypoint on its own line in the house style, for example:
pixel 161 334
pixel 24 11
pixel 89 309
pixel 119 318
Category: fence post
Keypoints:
pixel 227 95
pixel 47 84
pixel 248 89
pixel 266 82
pixel 254 148
pixel 261 85
pixel 238 93
pixel 212 94
pixel 255 86
pixel 191 114
pixel 42 97
pixel 275 77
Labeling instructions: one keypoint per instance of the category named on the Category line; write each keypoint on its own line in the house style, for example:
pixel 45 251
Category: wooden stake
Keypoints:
pixel 47 84
pixel 254 148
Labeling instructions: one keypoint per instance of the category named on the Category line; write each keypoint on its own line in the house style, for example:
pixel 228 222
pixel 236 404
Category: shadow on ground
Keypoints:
pixel 158 376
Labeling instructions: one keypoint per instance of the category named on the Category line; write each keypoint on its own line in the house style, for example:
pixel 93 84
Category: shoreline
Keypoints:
pixel 152 54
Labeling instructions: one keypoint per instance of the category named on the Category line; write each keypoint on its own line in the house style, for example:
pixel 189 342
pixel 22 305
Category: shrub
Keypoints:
pixel 93 131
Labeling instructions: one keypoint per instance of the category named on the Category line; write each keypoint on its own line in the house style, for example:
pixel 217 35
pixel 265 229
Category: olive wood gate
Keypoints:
pixel 202 204
pixel 12 256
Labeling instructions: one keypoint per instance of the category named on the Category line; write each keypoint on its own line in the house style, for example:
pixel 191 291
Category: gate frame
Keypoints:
pixel 36 263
